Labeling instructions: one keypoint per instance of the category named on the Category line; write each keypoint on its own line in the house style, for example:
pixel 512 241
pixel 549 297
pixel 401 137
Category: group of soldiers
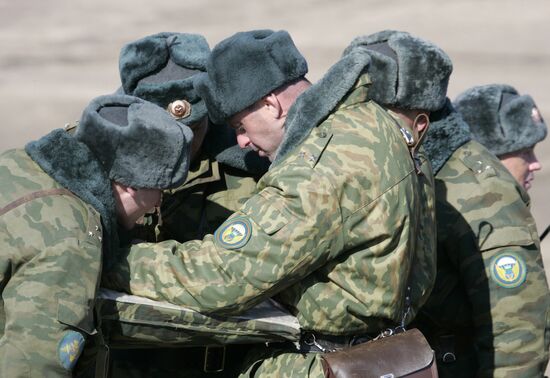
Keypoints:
pixel 362 202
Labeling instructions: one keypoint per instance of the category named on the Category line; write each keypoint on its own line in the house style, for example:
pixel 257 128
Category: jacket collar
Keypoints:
pixel 75 167
pixel 318 101
pixel 447 132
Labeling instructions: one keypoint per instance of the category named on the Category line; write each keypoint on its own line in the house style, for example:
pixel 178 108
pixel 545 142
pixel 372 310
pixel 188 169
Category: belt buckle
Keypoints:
pixel 214 359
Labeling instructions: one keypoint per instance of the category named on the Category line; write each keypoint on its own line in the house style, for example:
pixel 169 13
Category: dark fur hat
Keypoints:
pixel 138 143
pixel 161 69
pixel 500 118
pixel 245 67
pixel 407 72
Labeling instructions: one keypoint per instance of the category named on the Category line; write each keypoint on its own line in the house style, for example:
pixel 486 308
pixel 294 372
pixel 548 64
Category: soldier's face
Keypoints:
pixel 132 204
pixel 260 127
pixel 147 199
pixel 522 165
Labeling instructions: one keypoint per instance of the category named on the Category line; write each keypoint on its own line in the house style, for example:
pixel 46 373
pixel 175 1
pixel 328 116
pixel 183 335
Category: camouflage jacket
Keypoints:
pixel 331 233
pixel 491 299
pixel 51 254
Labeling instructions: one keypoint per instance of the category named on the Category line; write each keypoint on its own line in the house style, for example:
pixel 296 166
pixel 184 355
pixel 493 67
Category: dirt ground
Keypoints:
pixel 56 55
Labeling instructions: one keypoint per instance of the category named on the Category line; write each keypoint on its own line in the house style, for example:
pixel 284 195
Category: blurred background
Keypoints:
pixel 56 55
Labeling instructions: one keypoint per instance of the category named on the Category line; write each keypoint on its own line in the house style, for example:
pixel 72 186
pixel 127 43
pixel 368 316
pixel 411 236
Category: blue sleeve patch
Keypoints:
pixel 70 348
pixel 508 270
pixel 234 233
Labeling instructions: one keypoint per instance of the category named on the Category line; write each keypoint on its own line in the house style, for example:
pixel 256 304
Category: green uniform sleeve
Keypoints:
pixel 510 334
pixel 279 236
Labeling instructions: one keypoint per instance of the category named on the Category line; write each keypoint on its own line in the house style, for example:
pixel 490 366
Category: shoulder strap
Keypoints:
pixel 29 197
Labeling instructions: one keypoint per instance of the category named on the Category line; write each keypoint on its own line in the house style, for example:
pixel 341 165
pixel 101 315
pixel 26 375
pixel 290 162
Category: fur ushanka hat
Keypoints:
pixel 246 67
pixel 138 143
pixel 500 118
pixel 161 68
pixel 406 72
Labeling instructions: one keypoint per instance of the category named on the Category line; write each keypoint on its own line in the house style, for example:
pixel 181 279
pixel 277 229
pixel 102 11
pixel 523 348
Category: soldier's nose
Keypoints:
pixel 535 166
pixel 243 140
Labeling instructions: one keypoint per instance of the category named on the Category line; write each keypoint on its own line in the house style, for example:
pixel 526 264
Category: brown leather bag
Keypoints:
pixel 405 354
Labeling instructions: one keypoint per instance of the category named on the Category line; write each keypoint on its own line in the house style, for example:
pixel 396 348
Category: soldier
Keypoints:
pixel 507 124
pixel 330 234
pixel 61 199
pixel 487 315
pixel 161 68
pixel 409 78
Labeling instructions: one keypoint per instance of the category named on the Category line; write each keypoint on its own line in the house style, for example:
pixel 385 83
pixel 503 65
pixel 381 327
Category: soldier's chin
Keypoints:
pixel 265 154
pixel 527 185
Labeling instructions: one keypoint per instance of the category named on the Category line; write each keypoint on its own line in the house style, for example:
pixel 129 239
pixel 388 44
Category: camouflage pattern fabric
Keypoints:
pixel 273 362
pixel 490 304
pixel 50 261
pixel 331 234
pixel 211 193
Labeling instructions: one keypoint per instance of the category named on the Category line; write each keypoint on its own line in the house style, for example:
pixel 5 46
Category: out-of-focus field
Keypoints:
pixel 56 55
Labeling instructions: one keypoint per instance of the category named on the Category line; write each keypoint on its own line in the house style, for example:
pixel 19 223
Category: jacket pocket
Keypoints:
pixel 266 211
pixel 76 315
pixel 490 238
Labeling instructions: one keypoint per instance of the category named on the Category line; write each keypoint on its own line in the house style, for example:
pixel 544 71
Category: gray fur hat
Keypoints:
pixel 245 67
pixel 161 68
pixel 407 72
pixel 500 118
pixel 138 143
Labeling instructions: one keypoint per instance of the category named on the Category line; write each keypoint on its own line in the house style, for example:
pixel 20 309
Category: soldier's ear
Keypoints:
pixel 273 105
pixel 421 121
pixel 124 190
pixel 131 191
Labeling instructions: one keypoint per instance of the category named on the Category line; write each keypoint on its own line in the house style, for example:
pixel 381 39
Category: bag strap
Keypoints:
pixel 408 301
pixel 34 195
pixel 544 233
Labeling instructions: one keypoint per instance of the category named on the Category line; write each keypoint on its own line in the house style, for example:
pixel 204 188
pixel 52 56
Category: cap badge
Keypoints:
pixel 179 109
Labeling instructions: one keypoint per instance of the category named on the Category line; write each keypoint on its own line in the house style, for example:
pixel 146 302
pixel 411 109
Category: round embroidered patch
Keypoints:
pixel 508 270
pixel 69 349
pixel 234 234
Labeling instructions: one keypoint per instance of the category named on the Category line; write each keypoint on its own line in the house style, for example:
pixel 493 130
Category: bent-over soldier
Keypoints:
pixel 61 199
pixel 161 68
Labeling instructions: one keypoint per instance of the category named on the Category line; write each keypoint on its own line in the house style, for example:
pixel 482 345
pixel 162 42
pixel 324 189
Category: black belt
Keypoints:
pixel 314 342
